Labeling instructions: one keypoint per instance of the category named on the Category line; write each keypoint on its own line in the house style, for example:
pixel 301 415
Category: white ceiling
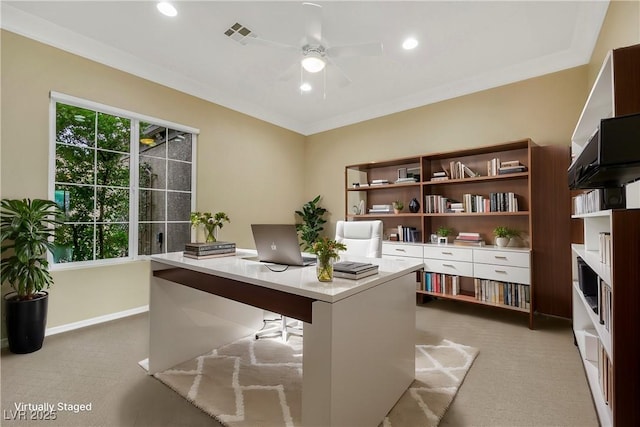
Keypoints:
pixel 464 47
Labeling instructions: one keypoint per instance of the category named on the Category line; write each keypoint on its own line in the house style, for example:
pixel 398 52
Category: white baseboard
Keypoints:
pixel 88 322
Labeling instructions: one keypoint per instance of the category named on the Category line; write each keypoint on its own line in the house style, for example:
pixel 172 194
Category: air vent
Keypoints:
pixel 239 33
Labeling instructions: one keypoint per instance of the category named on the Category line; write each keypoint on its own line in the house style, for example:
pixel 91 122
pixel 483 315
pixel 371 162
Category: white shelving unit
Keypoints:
pixel 620 342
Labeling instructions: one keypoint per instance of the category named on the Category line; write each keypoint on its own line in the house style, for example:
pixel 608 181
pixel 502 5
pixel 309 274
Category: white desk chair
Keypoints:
pixel 363 238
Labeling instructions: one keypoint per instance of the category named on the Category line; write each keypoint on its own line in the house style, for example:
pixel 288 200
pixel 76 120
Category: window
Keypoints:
pixel 125 182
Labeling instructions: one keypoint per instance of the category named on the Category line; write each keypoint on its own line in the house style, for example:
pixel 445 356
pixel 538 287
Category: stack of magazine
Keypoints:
pixel 209 250
pixel 354 270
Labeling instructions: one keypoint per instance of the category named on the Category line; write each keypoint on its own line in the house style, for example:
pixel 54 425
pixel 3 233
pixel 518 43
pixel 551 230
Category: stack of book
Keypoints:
pixel 209 250
pixel 468 239
pixel 439 176
pixel 381 209
pixel 380 182
pixel 512 166
pixel 354 270
pixel 405 180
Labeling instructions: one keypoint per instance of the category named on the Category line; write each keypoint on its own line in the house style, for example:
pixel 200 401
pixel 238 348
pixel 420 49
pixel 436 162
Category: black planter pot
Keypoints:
pixel 26 322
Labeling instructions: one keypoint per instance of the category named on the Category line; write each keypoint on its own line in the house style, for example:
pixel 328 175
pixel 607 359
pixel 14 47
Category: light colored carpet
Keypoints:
pixel 251 383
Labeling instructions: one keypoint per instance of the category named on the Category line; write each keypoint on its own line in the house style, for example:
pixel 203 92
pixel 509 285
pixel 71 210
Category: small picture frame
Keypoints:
pixel 434 238
pixel 443 240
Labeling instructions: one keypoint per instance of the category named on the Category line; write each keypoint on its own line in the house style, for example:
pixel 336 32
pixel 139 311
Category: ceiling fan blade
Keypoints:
pixel 270 43
pixel 343 78
pixel 290 72
pixel 313 23
pixel 365 49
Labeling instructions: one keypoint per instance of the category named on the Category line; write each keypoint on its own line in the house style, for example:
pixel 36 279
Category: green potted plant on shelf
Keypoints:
pixel 327 251
pixel 210 222
pixel 26 234
pixel 504 234
pixel 397 206
pixel 312 220
pixel 443 234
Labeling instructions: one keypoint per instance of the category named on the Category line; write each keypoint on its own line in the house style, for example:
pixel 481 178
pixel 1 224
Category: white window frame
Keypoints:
pixel 56 97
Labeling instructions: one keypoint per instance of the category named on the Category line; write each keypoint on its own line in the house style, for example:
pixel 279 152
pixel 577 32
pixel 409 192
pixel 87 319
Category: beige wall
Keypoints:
pixel 248 168
pixel 621 28
pixel 544 109
pixel 256 171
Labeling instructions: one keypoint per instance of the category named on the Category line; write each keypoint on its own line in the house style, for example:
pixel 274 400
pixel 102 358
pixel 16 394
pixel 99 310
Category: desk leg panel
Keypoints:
pixel 186 322
pixel 359 356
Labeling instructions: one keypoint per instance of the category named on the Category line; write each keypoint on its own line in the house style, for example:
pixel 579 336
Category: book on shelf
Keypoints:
pixel 510 163
pixel 216 255
pixel 492 166
pixel 458 170
pixel 511 169
pixel 440 283
pixel 408 234
pixel 405 180
pixel 504 293
pixel 379 182
pixel 381 209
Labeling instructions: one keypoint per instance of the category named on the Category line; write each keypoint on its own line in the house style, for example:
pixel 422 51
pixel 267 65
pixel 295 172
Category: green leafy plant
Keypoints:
pixel 443 231
pixel 507 232
pixel 326 250
pixel 312 223
pixel 26 229
pixel 210 222
pixel 398 205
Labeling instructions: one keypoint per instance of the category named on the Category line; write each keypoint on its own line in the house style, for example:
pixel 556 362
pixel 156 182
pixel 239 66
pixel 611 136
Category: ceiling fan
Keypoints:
pixel 315 54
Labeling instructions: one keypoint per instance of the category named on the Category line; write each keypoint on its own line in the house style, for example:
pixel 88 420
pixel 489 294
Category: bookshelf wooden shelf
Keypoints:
pixel 472 299
pixel 535 189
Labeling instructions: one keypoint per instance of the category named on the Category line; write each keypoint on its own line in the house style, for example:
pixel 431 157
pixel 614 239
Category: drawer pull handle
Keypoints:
pixel 500 257
pixel 449 265
pixel 400 250
pixel 500 271
pixel 446 253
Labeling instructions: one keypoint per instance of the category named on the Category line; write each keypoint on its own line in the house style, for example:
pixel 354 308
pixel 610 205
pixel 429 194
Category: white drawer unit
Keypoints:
pixel 508 258
pixel 502 273
pixel 448 252
pixel 457 268
pixel 401 249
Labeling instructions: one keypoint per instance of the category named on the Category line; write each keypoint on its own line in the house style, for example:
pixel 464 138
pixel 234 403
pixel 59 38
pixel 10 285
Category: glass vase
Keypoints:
pixel 210 234
pixel 324 270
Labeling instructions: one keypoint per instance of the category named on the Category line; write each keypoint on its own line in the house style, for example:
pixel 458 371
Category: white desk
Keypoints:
pixel 358 335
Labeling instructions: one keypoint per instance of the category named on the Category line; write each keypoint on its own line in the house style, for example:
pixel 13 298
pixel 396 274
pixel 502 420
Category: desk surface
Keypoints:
pixel 295 280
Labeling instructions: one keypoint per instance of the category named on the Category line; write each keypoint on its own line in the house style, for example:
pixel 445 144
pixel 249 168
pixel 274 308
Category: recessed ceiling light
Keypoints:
pixel 167 9
pixel 409 43
pixel 305 87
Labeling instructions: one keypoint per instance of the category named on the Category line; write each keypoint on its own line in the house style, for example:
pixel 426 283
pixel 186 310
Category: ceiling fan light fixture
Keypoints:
pixel 313 62
pixel 167 8
pixel 409 43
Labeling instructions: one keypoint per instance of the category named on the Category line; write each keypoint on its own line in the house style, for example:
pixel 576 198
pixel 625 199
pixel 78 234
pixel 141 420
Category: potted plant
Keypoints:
pixel 27 234
pixel 443 234
pixel 312 220
pixel 504 235
pixel 327 251
pixel 397 206
pixel 210 222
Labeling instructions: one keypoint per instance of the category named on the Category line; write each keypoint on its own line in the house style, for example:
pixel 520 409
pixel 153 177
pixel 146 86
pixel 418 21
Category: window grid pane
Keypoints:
pixel 93 184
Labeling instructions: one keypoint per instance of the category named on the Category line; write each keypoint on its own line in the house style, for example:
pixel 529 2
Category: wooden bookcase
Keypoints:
pixel 615 386
pixel 542 216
